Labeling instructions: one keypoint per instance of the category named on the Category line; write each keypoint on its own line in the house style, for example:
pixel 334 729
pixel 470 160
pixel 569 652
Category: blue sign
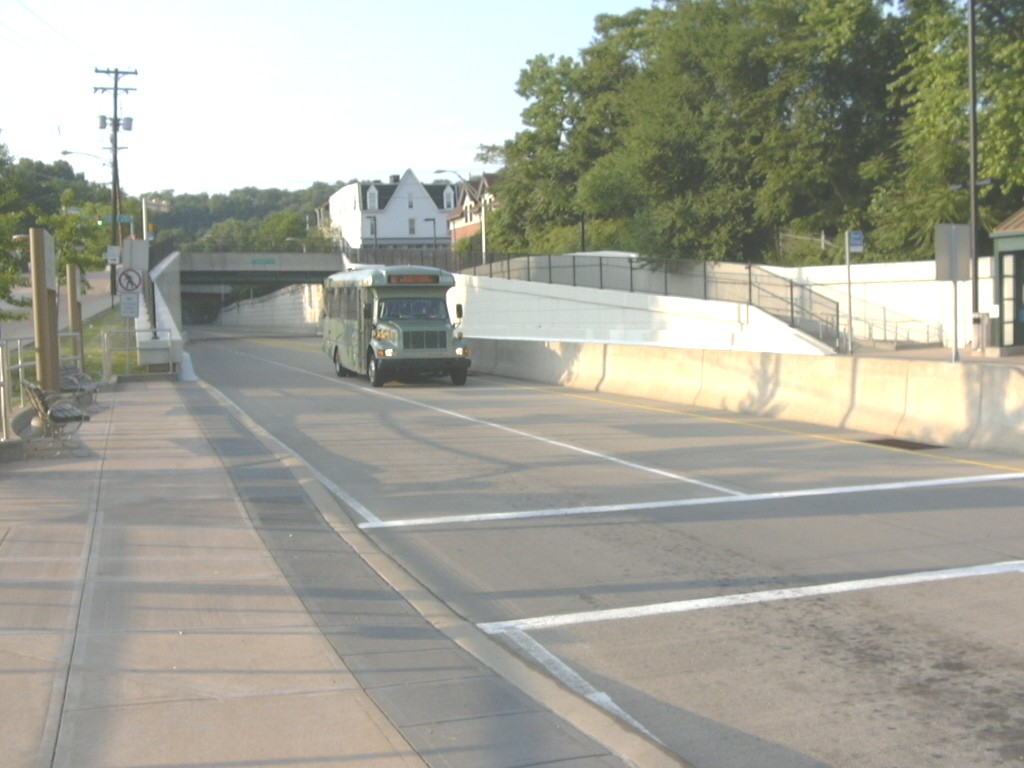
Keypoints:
pixel 856 241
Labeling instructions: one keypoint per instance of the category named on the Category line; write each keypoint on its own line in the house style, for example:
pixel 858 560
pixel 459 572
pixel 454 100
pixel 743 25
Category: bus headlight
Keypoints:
pixel 389 352
pixel 462 351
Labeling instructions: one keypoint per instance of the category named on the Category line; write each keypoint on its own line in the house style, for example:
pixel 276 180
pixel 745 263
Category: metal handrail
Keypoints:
pixel 794 303
pixel 141 342
pixel 6 414
pixel 24 361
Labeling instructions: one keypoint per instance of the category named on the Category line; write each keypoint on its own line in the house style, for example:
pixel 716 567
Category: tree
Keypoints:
pixel 924 184
pixel 10 262
pixel 77 238
pixel 573 119
pixel 754 116
pixel 34 194
pixel 828 114
pixel 228 235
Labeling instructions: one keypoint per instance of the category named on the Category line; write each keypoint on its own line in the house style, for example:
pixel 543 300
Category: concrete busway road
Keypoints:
pixel 749 592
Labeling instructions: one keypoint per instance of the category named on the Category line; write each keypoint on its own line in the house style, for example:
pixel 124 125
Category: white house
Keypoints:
pixel 403 213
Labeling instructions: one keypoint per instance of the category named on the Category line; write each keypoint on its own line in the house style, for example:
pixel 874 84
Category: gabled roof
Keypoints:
pixel 436 192
pixel 1013 224
pixel 386 191
pixel 384 194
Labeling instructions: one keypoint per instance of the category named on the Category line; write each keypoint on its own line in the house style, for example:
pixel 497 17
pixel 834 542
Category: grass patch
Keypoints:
pixel 121 331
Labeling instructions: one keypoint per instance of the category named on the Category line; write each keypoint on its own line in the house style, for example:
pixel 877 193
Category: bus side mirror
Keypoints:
pixel 458 311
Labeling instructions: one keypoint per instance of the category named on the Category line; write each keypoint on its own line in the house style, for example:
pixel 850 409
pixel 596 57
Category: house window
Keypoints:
pixel 371 198
pixel 410 200
pixel 373 226
pixel 449 198
pixel 412 226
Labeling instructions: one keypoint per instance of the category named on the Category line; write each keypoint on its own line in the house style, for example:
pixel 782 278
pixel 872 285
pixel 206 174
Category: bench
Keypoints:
pixel 79 384
pixel 57 417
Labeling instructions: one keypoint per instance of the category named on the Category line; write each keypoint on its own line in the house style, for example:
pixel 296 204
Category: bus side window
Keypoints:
pixel 351 307
pixel 368 311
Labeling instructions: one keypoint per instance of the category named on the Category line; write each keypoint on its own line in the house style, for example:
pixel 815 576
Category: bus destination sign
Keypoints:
pixel 412 279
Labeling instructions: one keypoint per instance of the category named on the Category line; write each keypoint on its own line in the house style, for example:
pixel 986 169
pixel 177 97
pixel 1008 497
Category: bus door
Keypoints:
pixel 365 323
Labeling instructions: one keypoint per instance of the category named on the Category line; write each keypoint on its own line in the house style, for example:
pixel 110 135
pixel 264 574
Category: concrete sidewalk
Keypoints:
pixel 177 594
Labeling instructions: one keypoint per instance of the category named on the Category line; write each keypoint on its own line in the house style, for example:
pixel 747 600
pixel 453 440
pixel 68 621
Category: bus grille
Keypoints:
pixel 424 340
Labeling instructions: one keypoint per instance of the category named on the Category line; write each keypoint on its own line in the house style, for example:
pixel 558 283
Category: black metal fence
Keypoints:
pixel 795 304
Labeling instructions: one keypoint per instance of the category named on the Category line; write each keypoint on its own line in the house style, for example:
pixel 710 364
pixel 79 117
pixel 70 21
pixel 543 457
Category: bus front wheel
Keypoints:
pixel 373 371
pixel 458 376
pixel 339 370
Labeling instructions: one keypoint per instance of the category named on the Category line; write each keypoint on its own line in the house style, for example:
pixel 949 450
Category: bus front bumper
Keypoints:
pixel 397 367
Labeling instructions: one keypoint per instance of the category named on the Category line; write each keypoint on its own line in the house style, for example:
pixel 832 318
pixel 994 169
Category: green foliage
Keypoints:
pixel 707 126
pixel 217 222
pixel 55 197
pixel 927 182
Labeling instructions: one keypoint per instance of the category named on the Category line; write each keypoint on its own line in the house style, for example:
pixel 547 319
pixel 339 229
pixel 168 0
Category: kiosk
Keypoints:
pixel 1008 263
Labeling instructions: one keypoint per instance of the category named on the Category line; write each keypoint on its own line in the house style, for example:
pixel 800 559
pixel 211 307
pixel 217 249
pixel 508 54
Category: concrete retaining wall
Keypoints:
pixel 294 308
pixel 498 308
pixel 968 405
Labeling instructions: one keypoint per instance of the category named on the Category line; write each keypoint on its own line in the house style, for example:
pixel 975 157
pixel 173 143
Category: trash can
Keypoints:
pixel 982 329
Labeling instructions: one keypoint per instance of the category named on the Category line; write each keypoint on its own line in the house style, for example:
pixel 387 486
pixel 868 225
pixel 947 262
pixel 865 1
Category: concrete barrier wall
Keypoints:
pixel 966 405
pixel 294 308
pixel 498 308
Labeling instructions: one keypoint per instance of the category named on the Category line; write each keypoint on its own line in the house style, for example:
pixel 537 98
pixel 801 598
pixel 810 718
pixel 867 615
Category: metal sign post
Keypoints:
pixel 854 244
pixel 953 263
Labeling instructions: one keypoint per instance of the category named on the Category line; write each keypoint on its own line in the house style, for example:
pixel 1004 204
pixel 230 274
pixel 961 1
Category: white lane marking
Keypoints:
pixel 572 679
pixel 486 517
pixel 368 516
pixel 747 598
pixel 517 432
pixel 372 521
pixel 517 631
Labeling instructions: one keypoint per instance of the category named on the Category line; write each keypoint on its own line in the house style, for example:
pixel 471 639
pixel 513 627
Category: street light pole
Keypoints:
pixel 373 227
pixel 973 89
pixel 159 205
pixel 433 225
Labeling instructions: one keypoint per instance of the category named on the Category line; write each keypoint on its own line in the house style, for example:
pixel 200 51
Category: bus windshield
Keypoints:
pixel 413 309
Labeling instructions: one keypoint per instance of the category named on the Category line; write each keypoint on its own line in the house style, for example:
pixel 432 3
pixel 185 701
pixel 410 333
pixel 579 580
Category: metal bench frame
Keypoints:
pixel 58 417
pixel 79 384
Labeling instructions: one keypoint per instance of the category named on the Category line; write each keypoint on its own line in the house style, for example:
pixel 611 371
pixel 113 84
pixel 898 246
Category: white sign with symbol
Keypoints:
pixel 129 280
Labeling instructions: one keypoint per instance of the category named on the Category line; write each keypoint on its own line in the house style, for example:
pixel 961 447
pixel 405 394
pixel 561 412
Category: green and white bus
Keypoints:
pixel 393 323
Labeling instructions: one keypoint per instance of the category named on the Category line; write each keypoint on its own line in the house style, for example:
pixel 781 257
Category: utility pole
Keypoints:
pixel 972 88
pixel 115 183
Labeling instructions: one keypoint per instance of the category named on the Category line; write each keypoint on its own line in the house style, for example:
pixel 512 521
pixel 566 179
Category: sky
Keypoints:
pixel 275 93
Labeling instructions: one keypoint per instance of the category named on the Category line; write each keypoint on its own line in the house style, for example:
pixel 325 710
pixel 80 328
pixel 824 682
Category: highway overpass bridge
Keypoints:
pixel 278 269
